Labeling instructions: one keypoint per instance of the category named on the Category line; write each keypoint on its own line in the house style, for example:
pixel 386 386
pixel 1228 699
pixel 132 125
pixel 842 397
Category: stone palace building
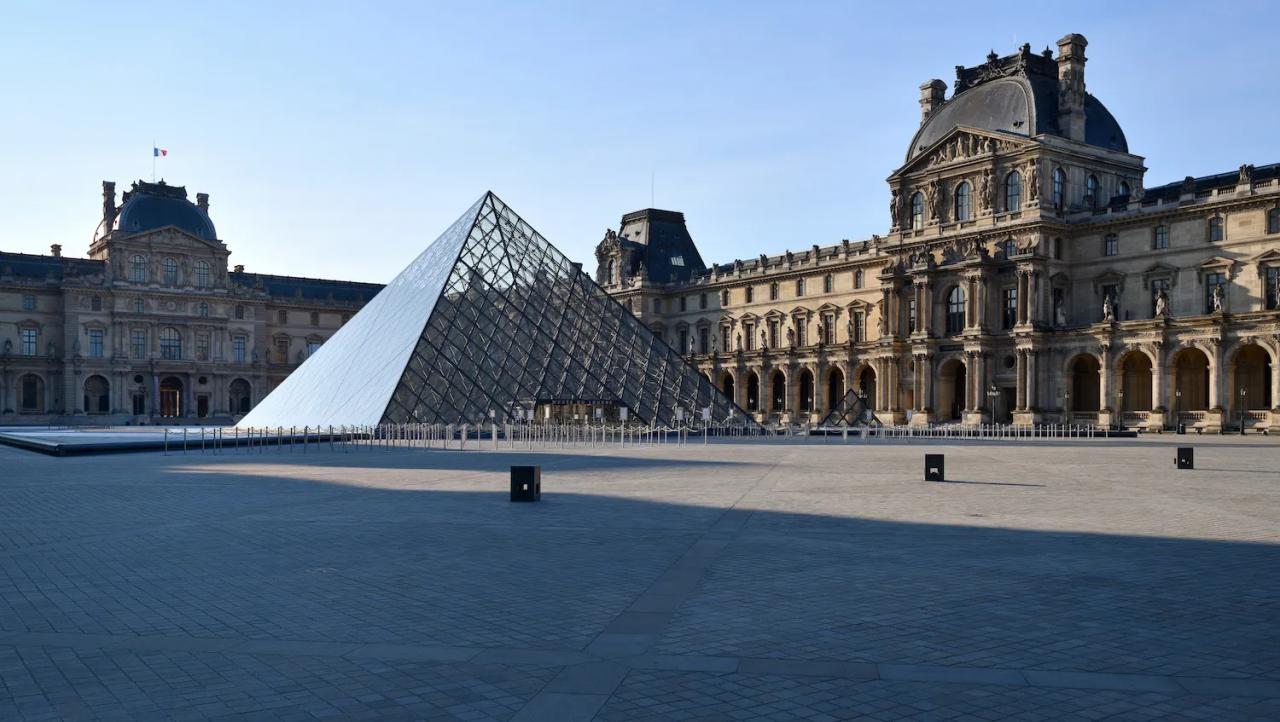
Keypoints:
pixel 1028 274
pixel 153 325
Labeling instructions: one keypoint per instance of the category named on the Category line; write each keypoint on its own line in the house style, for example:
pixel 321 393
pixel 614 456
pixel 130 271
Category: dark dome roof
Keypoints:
pixel 148 206
pixel 1024 101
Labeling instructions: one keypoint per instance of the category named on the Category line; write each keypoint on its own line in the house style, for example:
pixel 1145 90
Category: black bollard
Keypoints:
pixel 1186 457
pixel 933 468
pixel 526 483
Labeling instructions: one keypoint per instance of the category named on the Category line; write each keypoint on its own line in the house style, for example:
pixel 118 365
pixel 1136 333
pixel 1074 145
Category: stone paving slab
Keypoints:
pixel 1054 580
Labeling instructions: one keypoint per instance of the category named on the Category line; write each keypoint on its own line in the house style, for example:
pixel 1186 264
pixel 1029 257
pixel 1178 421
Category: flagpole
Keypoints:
pixel 153 161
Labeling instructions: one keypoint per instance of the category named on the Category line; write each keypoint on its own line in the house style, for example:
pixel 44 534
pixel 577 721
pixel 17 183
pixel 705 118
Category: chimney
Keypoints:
pixel 239 268
pixel 202 202
pixel 1071 91
pixel 108 205
pixel 56 249
pixel 932 96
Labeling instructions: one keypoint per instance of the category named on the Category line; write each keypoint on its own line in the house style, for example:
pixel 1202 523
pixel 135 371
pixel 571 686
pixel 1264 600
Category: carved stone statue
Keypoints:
pixel 791 337
pixel 764 340
pixel 1108 311
pixel 1217 299
pixel 691 346
pixel 1246 174
pixel 822 330
pixel 894 208
pixel 931 194
pixel 1060 315
pixel 848 329
pixel 739 340
pixel 882 323
pixel 1033 190
pixel 1162 304
pixel 984 190
pixel 8 346
pixel 51 349
pixel 715 344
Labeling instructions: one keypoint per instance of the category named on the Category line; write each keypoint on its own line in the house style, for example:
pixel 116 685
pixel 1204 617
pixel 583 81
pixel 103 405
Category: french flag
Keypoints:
pixel 159 152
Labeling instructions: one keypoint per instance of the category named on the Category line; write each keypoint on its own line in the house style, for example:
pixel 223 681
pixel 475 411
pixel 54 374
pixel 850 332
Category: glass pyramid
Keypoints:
pixel 489 318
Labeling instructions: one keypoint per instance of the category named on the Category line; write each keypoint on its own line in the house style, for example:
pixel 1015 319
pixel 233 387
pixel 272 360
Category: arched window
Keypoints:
pixel 1091 193
pixel 170 272
pixel 609 274
pixel 917 210
pixel 1273 220
pixel 138 269
pixel 962 202
pixel 1160 237
pixel 170 344
pixel 799 287
pixel 202 274
pixel 1013 191
pixel 857 278
pixel 1059 183
pixel 828 283
pixel 1215 229
pixel 724 298
pixel 955 310
pixel 238 403
pixel 1124 189
pixel 773 291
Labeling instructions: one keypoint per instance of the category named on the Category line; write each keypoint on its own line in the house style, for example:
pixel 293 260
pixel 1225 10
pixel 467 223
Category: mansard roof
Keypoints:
pixel 32 266
pixel 1172 191
pixel 1017 95
pixel 312 289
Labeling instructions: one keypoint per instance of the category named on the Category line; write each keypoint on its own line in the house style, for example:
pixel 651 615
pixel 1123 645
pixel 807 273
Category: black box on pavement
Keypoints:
pixel 526 483
pixel 1186 457
pixel 933 470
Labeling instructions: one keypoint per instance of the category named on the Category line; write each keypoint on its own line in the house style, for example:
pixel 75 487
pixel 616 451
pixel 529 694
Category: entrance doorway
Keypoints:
pixel 202 406
pixel 951 389
pixel 171 396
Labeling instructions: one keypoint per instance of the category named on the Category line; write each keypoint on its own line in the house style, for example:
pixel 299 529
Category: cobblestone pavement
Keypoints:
pixel 784 581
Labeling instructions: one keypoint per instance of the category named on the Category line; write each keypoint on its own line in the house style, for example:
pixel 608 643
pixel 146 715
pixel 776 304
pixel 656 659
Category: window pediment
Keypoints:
pixel 1217 264
pixel 1159 270
pixel 1108 278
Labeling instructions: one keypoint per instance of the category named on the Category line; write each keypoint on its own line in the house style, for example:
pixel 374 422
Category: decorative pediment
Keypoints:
pixel 860 305
pixel 1108 278
pixel 800 311
pixel 1159 270
pixel 1217 264
pixel 748 317
pixel 828 308
pixel 727 320
pixel 961 145
pixel 1267 258
pixel 775 315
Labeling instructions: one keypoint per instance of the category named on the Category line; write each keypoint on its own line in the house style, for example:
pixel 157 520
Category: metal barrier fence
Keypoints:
pixel 293 439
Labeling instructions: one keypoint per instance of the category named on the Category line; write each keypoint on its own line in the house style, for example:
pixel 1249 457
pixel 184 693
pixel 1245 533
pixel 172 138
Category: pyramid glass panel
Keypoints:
pixel 490 321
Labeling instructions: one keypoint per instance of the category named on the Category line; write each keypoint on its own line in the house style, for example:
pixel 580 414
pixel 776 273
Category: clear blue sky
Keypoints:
pixel 336 139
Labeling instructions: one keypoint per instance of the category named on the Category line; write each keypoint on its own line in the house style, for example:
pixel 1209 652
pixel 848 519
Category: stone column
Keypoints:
pixel 1217 379
pixel 1021 389
pixel 1033 382
pixel 1033 297
pixel 927 382
pixel 1104 379
pixel 1158 380
pixel 155 394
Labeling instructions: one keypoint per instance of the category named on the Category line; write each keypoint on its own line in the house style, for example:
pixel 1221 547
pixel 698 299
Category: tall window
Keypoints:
pixel 773 291
pixel 917 210
pixel 1158 285
pixel 703 340
pixel 773 334
pixel 139 305
pixel 282 316
pixel 702 303
pixel 238 344
pixel 138 342
pixel 95 343
pixel 1273 220
pixel 30 340
pixel 1091 193
pixel 609 274
pixel 1124 189
pixel 170 344
pixel 1215 229
pixel 724 298
pixel 204 310
pixel 1057 249
pixel 315 316
pixel 802 332
pixel 684 304
pixel 312 347
pixel 859 326
pixel 1212 281
pixel 799 287
pixel 28 302
pixel 750 294
pixel 1272 301
pixel 749 331
pixel 657 306
pixel 684 341
pixel 962 204
pixel 239 312
pixel 282 349
pixel 1059 183
pixel 202 274
pixel 170 272
pixel 1013 191
pixel 955 310
pixel 828 283
pixel 95 303
pixel 857 278
pixel 828 329
pixel 1110 245
pixel 1009 317
pixel 138 269
pixel 911 315
pixel 1160 237
pixel 202 347
pixel 724 340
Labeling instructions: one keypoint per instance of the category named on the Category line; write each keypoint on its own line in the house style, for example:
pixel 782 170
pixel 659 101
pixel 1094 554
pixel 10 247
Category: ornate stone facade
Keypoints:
pixel 1028 275
pixel 154 327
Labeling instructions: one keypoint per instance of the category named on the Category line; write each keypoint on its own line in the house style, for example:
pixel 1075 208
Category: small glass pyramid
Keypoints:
pixel 488 322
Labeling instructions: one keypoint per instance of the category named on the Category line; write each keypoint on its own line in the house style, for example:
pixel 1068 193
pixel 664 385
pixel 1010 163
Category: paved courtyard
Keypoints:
pixel 1046 580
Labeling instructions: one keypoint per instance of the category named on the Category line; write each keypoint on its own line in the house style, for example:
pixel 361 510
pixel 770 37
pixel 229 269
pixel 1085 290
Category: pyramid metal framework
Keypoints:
pixel 489 318
pixel 851 411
